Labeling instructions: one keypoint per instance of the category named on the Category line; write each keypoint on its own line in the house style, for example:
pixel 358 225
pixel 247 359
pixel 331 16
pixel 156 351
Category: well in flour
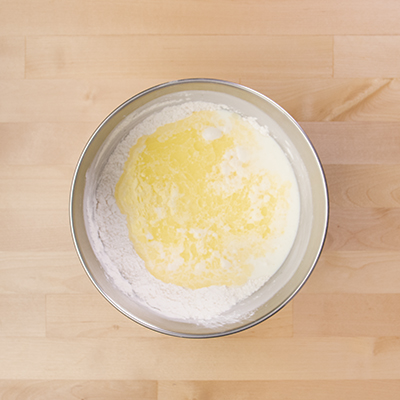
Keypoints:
pixel 259 173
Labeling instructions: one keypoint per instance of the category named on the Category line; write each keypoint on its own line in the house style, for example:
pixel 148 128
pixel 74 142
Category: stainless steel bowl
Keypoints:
pixel 292 275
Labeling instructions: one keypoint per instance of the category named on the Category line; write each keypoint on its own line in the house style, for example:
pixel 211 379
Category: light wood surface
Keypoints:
pixel 334 65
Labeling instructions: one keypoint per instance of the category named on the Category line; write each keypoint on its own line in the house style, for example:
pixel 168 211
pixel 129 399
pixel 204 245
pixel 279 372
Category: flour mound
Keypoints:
pixel 110 239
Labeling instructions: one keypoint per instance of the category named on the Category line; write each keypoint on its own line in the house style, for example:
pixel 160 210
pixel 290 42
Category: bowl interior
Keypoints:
pixel 287 133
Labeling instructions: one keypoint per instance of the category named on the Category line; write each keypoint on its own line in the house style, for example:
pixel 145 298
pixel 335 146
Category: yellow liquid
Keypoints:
pixel 199 209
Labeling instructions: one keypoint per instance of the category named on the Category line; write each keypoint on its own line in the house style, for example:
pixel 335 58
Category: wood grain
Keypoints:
pixel 373 105
pixel 366 271
pixel 322 358
pixel 359 229
pixel 88 315
pixel 36 187
pixel 22 315
pixel 43 230
pixel 42 144
pixel 294 390
pixel 73 389
pixel 66 101
pixel 12 50
pixel 199 17
pixel 366 56
pixel 171 56
pixel 42 272
pixel 355 143
pixel 90 101
pixel 332 99
pixel 365 186
pixel 347 315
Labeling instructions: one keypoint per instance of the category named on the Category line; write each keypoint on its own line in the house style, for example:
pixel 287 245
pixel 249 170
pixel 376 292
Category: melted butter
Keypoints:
pixel 201 208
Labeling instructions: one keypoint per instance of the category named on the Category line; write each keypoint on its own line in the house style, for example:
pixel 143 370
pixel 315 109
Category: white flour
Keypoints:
pixel 110 239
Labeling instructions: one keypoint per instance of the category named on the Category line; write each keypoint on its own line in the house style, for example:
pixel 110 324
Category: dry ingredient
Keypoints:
pixel 196 209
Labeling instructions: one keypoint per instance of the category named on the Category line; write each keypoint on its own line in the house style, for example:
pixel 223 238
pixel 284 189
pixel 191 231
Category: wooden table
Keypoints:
pixel 334 65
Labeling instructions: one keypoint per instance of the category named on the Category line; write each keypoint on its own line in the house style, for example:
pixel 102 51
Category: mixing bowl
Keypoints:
pixel 307 246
